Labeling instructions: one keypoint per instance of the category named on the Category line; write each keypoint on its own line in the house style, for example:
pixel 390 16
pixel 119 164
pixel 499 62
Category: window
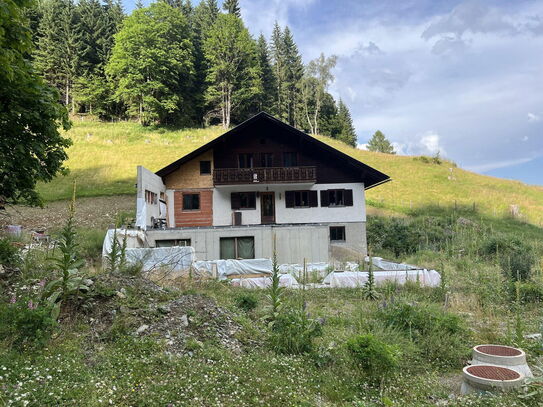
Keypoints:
pixel 237 247
pixel 205 167
pixel 301 199
pixel 245 160
pixel 243 200
pixel 337 233
pixel 290 159
pixel 266 159
pixel 191 202
pixel 172 242
pixel 337 197
pixel 151 197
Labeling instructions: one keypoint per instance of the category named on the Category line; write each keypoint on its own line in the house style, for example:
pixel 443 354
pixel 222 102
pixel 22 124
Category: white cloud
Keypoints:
pixel 428 143
pixel 363 146
pixel 497 164
pixel 532 117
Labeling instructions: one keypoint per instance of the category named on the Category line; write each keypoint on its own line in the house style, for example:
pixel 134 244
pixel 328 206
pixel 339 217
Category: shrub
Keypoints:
pixel 376 358
pixel 293 332
pixel 24 324
pixel 439 334
pixel 246 301
pixel 515 257
pixel 393 234
pixel 528 291
pixel 9 254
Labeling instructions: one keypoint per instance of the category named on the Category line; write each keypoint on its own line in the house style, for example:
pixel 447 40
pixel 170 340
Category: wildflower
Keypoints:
pixel 13 299
pixel 41 283
pixel 31 305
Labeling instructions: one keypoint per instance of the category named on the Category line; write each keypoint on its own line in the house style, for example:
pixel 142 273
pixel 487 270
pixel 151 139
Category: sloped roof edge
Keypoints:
pixel 376 176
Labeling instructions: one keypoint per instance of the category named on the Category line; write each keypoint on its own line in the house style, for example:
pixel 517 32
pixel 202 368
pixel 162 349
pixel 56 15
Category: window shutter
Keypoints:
pixel 313 200
pixel 348 197
pixel 289 199
pixel 324 198
pixel 235 200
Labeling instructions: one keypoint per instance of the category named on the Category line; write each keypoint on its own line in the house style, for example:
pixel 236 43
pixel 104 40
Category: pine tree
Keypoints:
pixel 379 143
pixel 232 7
pixel 346 129
pixel 294 73
pixel 278 58
pixel 266 100
pixel 233 75
pixel 328 118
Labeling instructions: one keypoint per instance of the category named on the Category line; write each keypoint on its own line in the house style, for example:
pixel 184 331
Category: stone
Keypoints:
pixel 2 269
pixel 184 320
pixel 142 329
pixel 120 295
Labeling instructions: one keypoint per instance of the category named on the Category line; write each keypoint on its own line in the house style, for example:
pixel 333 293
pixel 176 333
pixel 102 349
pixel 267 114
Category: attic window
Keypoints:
pixel 205 167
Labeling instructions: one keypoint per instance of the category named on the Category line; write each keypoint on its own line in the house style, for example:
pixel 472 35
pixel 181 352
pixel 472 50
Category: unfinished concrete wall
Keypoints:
pixel 146 209
pixel 294 242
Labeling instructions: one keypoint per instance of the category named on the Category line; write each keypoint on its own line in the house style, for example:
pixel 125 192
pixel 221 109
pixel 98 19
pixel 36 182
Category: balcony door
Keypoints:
pixel 267 207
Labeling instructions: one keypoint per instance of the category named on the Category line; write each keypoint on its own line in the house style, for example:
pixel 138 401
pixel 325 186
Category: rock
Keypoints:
pixel 184 320
pixel 164 309
pixel 120 295
pixel 2 269
pixel 142 329
pixel 533 336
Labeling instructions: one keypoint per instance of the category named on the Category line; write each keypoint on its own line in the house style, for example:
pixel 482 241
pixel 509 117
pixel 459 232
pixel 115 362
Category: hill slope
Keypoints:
pixel 104 157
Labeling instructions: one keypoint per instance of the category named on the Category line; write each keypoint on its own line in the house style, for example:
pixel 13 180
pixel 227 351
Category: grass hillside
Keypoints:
pixel 104 157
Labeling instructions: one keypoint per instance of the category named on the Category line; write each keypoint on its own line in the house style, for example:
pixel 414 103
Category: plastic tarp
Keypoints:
pixel 227 268
pixel 351 279
pixel 171 261
pixel 285 280
pixel 320 268
pixel 135 238
pixel 141 213
pixel 388 265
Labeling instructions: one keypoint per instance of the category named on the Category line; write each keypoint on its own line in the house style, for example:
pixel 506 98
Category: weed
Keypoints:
pixel 246 301
pixel 376 358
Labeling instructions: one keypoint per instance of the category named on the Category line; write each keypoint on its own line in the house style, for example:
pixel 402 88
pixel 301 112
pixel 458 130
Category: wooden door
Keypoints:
pixel 267 207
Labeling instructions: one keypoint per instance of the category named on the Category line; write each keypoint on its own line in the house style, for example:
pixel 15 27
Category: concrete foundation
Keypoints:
pixel 294 241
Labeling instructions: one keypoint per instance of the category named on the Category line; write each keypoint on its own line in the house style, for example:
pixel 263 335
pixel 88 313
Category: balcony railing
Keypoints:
pixel 264 175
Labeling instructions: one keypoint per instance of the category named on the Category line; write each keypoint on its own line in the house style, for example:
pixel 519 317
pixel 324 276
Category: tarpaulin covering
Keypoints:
pixel 285 280
pixel 141 213
pixel 176 260
pixel 227 268
pixel 427 278
pixel 134 238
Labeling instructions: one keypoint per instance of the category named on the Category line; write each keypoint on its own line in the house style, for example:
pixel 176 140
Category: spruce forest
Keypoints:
pixel 181 65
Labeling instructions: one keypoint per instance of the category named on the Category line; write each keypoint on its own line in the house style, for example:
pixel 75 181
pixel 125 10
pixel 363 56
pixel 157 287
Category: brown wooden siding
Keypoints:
pixel 201 217
pixel 188 175
pixel 266 138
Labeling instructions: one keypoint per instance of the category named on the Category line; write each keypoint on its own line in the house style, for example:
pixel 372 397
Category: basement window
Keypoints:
pixel 237 247
pixel 191 202
pixel 337 233
pixel 172 242
pixel 205 167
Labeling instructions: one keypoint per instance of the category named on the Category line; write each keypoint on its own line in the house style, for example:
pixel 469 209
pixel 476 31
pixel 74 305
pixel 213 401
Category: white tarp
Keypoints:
pixel 141 213
pixel 321 268
pixel 172 261
pixel 388 265
pixel 134 238
pixel 285 280
pixel 427 278
pixel 227 268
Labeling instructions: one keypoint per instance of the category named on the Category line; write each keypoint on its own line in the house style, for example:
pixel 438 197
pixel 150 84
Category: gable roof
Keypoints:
pixel 370 176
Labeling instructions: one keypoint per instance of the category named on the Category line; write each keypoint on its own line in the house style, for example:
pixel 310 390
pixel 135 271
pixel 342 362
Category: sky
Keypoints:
pixel 464 78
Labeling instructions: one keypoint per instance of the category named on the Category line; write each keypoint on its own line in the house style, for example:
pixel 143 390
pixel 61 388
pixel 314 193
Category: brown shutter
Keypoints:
pixel 289 199
pixel 313 200
pixel 348 197
pixel 235 200
pixel 324 198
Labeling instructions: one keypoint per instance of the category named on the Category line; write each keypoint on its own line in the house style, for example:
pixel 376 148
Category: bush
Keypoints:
pixel 293 332
pixel 25 325
pixel 9 254
pixel 393 234
pixel 374 357
pixel 439 334
pixel 246 301
pixel 529 291
pixel 515 257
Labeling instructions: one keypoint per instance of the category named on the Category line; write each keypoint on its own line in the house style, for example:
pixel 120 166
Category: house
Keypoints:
pixel 263 178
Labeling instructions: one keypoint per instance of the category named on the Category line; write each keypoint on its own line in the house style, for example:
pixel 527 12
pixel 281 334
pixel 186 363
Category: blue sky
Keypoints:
pixel 461 77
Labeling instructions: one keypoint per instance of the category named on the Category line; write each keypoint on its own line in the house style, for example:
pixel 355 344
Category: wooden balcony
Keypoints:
pixel 264 175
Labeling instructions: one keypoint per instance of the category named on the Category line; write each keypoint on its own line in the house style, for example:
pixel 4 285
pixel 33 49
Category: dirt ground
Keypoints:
pixel 95 212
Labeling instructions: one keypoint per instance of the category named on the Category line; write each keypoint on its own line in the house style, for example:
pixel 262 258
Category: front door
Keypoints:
pixel 267 207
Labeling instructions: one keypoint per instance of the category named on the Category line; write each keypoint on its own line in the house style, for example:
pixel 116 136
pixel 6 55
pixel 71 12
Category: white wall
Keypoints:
pixel 147 180
pixel 222 212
